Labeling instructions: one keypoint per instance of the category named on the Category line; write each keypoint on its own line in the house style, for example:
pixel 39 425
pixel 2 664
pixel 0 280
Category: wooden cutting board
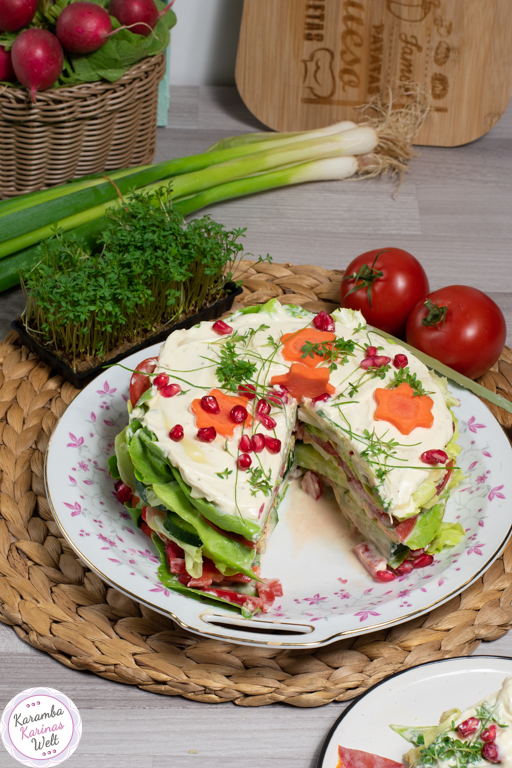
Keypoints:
pixel 305 64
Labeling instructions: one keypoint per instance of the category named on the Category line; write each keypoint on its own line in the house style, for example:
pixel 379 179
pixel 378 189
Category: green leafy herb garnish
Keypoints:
pixel 225 474
pixel 403 375
pixel 259 481
pixel 331 351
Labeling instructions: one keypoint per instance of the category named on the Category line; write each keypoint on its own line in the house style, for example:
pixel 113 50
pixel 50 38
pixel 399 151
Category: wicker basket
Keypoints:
pixel 75 131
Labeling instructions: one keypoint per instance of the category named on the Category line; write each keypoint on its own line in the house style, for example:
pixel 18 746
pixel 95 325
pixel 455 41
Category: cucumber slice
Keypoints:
pixel 182 530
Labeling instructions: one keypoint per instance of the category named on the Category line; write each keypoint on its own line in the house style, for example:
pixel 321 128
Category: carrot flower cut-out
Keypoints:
pixel 402 409
pixel 222 422
pixel 293 343
pixel 302 381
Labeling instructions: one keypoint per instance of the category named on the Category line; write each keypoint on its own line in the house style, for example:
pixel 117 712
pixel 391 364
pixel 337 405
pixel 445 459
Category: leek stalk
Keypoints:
pixel 251 138
pixel 51 205
pixel 86 235
pixel 355 141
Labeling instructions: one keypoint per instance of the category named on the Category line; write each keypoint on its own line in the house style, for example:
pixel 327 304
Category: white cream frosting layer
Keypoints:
pixel 190 358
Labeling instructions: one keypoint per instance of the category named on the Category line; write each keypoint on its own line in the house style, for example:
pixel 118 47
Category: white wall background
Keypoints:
pixel 204 42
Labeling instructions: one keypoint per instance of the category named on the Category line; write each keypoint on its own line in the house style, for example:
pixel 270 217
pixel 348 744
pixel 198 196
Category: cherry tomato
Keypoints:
pixel 460 326
pixel 384 285
pixel 138 382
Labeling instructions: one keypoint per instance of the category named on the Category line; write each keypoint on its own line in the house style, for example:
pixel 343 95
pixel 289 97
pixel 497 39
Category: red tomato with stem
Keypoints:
pixel 384 284
pixel 460 326
pixel 138 382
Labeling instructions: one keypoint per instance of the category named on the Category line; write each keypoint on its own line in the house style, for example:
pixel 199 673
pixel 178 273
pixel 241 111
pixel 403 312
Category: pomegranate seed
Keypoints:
pixel 123 492
pixel 385 576
pixel 238 414
pixel 267 421
pixel 416 552
pixel 247 390
pixel 489 734
pixel 371 351
pixel 244 461
pixel 367 362
pixel 400 361
pixel 207 434
pixel 170 390
pixel 435 456
pixel 321 398
pixel 258 442
pixel 176 433
pixel 404 568
pixel 272 444
pixel 490 752
pixel 278 396
pixel 262 408
pixel 469 726
pixel 245 444
pixel 161 380
pixel 381 360
pixel 222 328
pixel 209 404
pixel 323 322
pixel 422 561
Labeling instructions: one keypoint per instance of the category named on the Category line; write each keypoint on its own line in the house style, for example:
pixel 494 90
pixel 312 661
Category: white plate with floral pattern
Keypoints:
pixel 327 593
pixel 415 697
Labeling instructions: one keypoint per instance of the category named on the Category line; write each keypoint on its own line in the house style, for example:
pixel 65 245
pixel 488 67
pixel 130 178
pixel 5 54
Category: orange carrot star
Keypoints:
pixel 293 343
pixel 402 409
pixel 221 421
pixel 302 381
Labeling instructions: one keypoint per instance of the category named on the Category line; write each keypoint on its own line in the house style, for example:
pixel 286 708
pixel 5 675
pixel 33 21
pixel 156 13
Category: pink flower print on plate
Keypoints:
pixel 77 509
pixel 473 426
pixel 476 548
pixel 106 389
pixel 472 466
pixel 494 493
pixel 161 588
pixel 314 600
pixel 363 615
pixel 77 441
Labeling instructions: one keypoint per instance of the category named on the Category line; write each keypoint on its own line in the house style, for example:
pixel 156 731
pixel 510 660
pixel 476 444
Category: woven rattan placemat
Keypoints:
pixel 54 603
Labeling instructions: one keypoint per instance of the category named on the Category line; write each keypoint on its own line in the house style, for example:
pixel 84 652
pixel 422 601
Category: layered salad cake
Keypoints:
pixel 230 411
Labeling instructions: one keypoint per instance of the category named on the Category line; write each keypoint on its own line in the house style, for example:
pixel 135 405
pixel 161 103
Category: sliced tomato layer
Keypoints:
pixel 139 383
pixel 355 758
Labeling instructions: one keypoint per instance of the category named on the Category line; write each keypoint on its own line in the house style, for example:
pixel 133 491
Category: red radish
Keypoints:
pixel 37 59
pixel 6 70
pixel 15 14
pixel 83 27
pixel 140 15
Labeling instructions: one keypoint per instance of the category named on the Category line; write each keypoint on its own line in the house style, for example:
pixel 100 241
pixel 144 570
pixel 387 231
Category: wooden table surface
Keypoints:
pixel 453 213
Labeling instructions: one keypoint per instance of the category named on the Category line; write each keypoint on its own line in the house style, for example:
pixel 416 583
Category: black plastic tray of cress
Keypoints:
pixel 80 380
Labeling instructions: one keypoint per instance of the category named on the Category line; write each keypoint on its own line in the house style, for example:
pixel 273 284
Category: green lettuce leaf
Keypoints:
pixel 448 535
pixel 170 581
